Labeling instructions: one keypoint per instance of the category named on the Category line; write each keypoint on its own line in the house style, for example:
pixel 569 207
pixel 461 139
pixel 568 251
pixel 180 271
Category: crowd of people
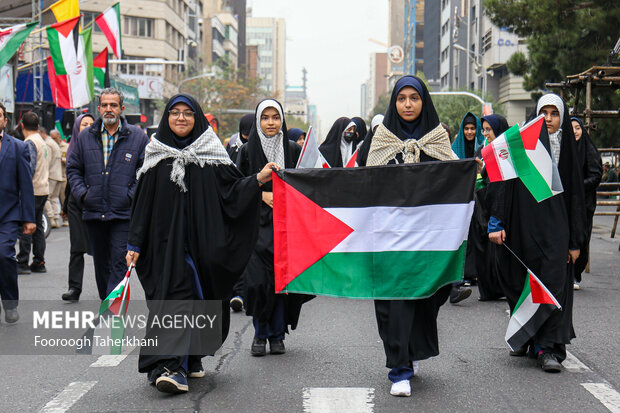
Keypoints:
pixel 196 218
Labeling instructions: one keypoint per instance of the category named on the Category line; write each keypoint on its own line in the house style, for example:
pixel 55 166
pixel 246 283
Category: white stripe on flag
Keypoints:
pixel 520 317
pixel 424 228
pixel 504 160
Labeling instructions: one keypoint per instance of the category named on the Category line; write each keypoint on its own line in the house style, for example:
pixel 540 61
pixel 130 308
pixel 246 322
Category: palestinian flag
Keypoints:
pixel 109 324
pixel 525 154
pixel 310 156
pixel 374 232
pixel 352 163
pixel 110 24
pixel 72 59
pixel 101 69
pixel 532 310
pixel 11 38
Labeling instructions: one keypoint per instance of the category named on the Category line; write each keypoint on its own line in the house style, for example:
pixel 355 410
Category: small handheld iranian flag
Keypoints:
pixel 524 153
pixel 12 38
pixel 531 311
pixel 110 24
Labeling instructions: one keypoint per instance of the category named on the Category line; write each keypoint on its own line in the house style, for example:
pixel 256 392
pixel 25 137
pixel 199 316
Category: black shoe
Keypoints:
pixel 38 267
pixel 549 363
pixel 23 269
pixel 459 294
pixel 72 295
pixel 11 315
pixel 172 382
pixel 276 347
pixel 236 303
pixel 520 352
pixel 259 347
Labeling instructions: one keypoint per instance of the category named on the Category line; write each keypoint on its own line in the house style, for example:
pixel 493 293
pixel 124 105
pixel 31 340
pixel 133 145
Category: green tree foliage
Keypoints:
pixel 296 122
pixel 517 64
pixel 564 37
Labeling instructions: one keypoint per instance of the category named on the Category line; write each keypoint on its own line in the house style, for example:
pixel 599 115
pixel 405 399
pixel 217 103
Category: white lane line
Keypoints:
pixel 67 398
pixel 108 360
pixel 605 394
pixel 339 399
pixel 573 364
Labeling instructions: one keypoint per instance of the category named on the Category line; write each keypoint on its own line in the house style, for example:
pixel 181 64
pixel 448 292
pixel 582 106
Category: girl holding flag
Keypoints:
pixel 410 133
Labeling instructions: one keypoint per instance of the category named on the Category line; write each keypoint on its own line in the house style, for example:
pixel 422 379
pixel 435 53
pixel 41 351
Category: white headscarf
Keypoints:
pixel 273 148
pixel 346 148
pixel 376 120
pixel 551 99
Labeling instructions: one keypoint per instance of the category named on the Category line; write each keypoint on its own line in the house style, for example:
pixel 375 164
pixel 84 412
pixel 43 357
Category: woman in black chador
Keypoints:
pixel 272 313
pixel 336 143
pixel 546 235
pixel 592 169
pixel 193 225
pixel 410 133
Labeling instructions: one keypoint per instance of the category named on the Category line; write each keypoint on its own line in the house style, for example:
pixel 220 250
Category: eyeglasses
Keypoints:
pixel 186 113
pixel 486 130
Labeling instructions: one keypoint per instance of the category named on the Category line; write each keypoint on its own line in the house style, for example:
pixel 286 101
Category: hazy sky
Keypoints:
pixel 330 39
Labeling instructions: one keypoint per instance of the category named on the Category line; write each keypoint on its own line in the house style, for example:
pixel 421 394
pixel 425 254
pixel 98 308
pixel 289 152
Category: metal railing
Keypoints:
pixel 609 189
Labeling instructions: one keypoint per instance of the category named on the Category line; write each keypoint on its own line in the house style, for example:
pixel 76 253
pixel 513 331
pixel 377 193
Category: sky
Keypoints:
pixel 330 39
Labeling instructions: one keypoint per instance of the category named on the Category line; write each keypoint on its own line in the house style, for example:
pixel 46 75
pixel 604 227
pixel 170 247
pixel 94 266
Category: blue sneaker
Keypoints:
pixel 172 382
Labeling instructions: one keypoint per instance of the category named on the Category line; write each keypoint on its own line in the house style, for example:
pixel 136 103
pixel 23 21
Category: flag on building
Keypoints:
pixel 532 310
pixel 11 38
pixel 524 153
pixel 374 233
pixel 72 59
pixel 109 323
pixel 100 68
pixel 110 24
pixel 310 156
pixel 65 9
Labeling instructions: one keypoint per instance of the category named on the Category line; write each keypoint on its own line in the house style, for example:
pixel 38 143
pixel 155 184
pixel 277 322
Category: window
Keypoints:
pixel 487 40
pixel 138 26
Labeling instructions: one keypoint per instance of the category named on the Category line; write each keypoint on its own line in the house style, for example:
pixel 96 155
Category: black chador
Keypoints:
pixel 272 313
pixel 408 328
pixel 194 222
pixel 331 147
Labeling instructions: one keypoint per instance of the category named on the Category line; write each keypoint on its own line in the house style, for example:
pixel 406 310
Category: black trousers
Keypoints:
pixel 108 240
pixel 8 266
pixel 36 241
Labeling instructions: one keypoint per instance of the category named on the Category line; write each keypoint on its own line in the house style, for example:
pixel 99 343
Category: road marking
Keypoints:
pixel 339 399
pixel 605 394
pixel 67 398
pixel 108 360
pixel 573 364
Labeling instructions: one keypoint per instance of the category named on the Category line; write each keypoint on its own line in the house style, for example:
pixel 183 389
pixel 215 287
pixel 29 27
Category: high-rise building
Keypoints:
pixel 413 43
pixel 376 85
pixel 396 37
pixel 432 32
pixel 269 34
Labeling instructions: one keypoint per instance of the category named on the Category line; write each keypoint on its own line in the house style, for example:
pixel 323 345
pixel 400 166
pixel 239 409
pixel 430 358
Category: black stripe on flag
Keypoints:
pixel 529 329
pixel 410 185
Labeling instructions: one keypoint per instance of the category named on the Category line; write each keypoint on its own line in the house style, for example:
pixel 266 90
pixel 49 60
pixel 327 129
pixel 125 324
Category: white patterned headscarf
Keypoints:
pixel 273 147
pixel 346 148
pixel 551 99
pixel 376 120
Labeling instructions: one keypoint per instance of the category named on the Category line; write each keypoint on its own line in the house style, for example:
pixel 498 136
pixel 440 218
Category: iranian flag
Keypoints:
pixel 110 24
pixel 100 68
pixel 524 153
pixel 310 156
pixel 109 327
pixel 375 232
pixel 12 38
pixel 72 59
pixel 532 310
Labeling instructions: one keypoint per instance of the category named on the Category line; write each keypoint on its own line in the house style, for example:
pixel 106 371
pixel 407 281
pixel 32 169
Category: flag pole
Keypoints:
pixel 515 255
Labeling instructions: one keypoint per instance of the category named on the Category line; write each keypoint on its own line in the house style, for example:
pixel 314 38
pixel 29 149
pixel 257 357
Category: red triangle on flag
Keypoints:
pixel 65 27
pixel 303 232
pixel 101 60
pixel 539 293
pixel 531 134
pixel 353 161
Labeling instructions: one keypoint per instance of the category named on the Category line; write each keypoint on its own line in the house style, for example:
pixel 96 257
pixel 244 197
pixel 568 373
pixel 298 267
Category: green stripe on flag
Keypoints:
pixel 55 51
pixel 524 167
pixel 88 59
pixel 381 275
pixel 526 291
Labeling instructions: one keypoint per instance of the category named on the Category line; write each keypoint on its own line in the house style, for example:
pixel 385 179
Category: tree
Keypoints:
pixel 564 37
pixel 297 122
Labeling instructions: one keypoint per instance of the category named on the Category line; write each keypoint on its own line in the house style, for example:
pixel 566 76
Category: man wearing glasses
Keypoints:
pixel 102 163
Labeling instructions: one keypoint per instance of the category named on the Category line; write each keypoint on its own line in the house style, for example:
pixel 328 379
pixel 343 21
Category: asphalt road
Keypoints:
pixel 335 360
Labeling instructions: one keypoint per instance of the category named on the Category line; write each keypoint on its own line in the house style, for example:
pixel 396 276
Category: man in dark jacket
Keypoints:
pixel 101 169
pixel 16 208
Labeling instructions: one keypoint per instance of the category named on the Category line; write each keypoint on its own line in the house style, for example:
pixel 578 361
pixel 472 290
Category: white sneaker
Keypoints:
pixel 416 367
pixel 576 286
pixel 401 388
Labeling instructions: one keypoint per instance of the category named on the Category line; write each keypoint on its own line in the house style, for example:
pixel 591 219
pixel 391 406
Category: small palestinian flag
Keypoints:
pixel 100 67
pixel 525 154
pixel 352 163
pixel 109 326
pixel 110 24
pixel 374 232
pixel 310 156
pixel 532 310
pixel 13 37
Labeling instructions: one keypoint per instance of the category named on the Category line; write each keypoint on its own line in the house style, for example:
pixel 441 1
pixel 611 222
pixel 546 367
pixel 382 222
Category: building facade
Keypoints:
pixel 269 34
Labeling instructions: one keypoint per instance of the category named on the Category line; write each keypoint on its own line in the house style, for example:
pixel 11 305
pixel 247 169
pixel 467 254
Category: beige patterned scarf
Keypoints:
pixel 385 146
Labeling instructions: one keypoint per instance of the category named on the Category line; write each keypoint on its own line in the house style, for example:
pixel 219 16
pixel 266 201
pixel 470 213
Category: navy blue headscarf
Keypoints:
pixel 498 123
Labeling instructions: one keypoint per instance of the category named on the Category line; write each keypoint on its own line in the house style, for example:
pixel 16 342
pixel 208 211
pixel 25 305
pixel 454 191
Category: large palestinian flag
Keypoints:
pixel 532 310
pixel 525 154
pixel 386 232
